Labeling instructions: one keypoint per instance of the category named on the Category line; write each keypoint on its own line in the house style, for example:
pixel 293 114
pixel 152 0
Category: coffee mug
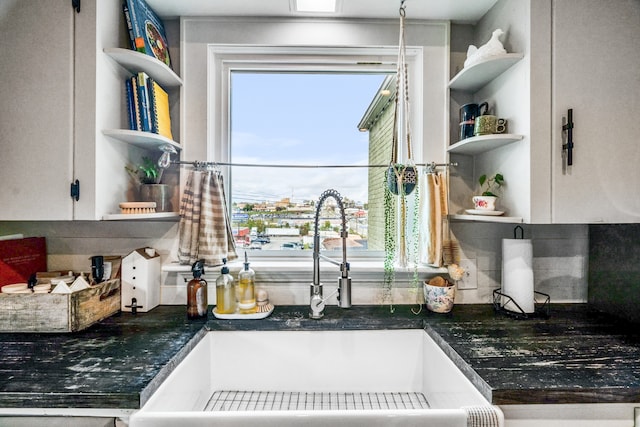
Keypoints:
pixel 468 114
pixel 488 124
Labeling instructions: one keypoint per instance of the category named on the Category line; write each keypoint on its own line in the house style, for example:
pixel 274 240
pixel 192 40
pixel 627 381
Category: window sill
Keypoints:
pixel 287 280
pixel 302 265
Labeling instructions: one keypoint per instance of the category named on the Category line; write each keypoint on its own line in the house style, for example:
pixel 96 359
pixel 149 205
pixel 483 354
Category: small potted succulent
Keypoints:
pixel 487 198
pixel 146 178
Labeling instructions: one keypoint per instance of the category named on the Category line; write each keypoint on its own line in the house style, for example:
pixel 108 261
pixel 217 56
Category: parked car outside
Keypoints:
pixel 290 246
pixel 261 239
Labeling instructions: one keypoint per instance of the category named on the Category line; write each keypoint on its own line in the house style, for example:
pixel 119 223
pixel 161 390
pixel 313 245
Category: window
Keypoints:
pixel 298 118
pixel 296 106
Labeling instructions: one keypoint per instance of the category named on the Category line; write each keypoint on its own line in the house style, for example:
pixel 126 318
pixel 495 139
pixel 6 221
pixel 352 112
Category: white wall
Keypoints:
pixel 198 33
pixel 560 252
pixel 560 258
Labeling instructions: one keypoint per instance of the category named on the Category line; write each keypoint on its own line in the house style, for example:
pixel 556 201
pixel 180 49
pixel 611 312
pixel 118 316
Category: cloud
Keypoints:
pixel 262 183
pixel 245 141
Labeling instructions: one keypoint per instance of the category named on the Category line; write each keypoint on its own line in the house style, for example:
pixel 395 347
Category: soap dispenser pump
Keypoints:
pixel 197 300
pixel 246 289
pixel 225 291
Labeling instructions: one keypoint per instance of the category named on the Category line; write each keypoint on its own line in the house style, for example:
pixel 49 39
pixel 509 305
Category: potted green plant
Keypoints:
pixel 146 178
pixel 489 185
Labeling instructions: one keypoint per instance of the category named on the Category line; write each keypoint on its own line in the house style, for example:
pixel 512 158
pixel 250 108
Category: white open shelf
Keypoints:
pixel 135 62
pixel 480 144
pixel 479 74
pixel 149 216
pixel 141 139
pixel 488 218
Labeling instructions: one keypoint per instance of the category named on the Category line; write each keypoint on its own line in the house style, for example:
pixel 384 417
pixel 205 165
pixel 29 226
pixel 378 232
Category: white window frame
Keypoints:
pixel 223 59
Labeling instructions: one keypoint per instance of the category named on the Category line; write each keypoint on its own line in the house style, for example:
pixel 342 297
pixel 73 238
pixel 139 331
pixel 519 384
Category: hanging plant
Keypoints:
pixel 401 245
pixel 414 253
pixel 401 180
pixel 389 246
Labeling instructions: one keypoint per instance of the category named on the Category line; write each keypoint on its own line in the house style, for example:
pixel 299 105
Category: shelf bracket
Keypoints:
pixel 75 190
pixel 76 5
pixel 568 127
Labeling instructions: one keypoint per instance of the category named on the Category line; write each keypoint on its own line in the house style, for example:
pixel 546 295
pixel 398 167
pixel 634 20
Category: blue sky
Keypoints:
pixel 299 118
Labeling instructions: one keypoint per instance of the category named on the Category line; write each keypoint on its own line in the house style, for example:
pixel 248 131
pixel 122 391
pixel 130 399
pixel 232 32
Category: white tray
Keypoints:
pixel 241 316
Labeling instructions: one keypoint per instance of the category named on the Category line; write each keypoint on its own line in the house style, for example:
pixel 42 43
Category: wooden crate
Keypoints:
pixel 59 312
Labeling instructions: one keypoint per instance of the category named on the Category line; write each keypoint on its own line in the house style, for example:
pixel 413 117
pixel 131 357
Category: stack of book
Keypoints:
pixel 147 101
pixel 148 105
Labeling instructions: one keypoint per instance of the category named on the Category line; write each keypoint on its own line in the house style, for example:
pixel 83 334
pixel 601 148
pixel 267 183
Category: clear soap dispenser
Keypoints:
pixel 197 300
pixel 246 289
pixel 225 291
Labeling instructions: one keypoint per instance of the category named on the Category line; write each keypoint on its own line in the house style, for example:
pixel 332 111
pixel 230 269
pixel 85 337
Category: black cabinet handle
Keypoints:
pixel 568 127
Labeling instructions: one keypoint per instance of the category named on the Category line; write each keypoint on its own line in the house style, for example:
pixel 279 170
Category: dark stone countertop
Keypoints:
pixel 575 356
pixel 116 363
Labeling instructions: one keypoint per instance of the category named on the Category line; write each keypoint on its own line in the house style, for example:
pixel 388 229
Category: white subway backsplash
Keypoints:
pixel 560 259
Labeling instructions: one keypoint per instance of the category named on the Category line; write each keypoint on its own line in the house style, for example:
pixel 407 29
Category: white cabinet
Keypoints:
pixel 596 72
pixel 36 102
pixel 581 55
pixel 59 92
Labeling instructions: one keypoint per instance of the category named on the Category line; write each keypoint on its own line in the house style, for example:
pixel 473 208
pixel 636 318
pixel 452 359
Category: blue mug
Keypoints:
pixel 468 114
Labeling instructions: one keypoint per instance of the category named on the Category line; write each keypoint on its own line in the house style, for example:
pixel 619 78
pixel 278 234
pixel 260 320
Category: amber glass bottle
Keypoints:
pixel 197 299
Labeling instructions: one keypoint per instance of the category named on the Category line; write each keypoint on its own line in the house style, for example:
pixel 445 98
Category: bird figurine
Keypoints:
pixel 491 48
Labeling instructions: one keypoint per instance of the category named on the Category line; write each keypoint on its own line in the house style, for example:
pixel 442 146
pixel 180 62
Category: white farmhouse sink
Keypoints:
pixel 314 378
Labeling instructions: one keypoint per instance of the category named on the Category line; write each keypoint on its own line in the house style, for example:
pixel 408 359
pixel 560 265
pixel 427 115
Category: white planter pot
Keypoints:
pixel 484 203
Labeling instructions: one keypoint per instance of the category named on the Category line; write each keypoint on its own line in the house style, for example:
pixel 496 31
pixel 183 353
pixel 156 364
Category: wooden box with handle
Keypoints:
pixel 51 312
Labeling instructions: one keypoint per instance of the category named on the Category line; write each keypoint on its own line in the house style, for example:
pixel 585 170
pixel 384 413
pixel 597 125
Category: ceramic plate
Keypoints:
pixel 242 316
pixel 483 212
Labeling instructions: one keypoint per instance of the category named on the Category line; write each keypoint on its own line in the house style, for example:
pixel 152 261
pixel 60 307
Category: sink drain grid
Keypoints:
pixel 301 401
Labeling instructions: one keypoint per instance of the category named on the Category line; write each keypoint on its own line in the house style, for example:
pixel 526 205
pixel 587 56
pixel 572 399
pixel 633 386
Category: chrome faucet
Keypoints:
pixel 344 281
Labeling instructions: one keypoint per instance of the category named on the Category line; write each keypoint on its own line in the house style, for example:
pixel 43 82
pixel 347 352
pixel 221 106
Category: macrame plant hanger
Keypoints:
pixel 401 179
pixel 406 177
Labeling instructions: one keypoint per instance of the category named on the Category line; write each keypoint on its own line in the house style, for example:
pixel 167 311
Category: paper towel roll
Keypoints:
pixel 517 274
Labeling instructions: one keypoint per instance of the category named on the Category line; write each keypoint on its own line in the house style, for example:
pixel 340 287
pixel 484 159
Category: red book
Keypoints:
pixel 20 258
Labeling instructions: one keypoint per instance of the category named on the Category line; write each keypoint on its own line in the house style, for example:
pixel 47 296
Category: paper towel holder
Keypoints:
pixel 515 232
pixel 541 309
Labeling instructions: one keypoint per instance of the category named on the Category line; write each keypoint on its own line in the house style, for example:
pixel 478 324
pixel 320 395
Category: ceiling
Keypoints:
pixel 468 11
